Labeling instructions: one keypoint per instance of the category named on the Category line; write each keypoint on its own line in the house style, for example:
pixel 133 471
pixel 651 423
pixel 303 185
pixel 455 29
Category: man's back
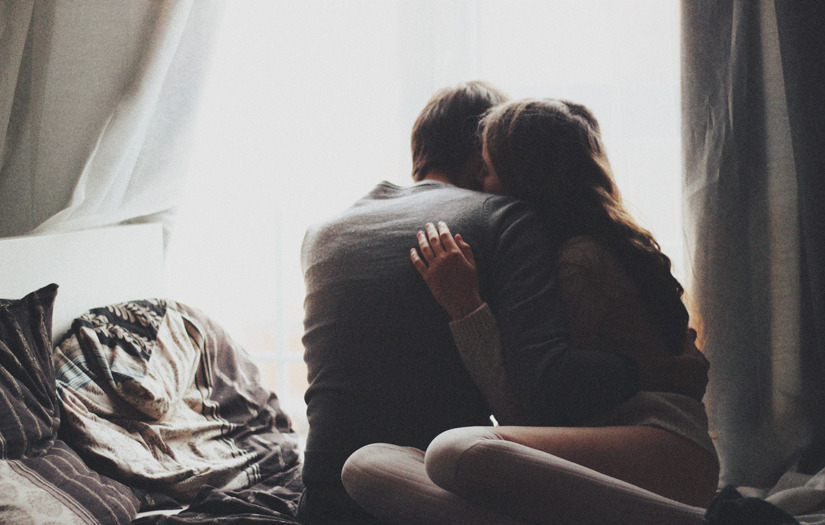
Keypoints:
pixel 382 364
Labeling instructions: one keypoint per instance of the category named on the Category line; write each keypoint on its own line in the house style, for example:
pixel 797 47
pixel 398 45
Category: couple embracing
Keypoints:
pixel 508 281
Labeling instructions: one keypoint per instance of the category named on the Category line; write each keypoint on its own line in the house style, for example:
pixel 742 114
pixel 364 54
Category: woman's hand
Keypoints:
pixel 695 369
pixel 447 265
pixel 685 374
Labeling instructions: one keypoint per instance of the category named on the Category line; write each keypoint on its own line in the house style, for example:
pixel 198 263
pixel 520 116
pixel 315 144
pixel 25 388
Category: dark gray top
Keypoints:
pixel 381 360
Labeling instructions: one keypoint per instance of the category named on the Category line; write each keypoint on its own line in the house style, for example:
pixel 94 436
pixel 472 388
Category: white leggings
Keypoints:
pixel 471 475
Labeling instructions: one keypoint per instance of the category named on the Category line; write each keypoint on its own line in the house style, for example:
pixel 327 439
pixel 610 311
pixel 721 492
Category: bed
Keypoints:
pixel 120 406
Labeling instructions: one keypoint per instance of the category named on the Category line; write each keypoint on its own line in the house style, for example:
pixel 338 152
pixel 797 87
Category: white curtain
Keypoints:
pixel 754 149
pixel 310 104
pixel 96 104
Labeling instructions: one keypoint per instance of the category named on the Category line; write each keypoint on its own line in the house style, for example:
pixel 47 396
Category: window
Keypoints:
pixel 309 104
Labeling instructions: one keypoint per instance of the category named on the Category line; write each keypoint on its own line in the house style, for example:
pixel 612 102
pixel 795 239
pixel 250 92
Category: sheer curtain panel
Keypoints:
pixel 96 103
pixel 754 160
pixel 310 104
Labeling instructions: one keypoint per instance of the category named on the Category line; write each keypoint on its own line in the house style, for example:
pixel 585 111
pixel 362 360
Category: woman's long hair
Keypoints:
pixel 549 153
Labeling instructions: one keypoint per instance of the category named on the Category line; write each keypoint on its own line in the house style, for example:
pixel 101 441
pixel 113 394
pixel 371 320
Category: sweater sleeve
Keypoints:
pixel 478 340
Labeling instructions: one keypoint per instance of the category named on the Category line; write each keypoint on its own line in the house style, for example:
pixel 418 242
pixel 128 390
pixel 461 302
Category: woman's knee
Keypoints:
pixel 376 468
pixel 443 457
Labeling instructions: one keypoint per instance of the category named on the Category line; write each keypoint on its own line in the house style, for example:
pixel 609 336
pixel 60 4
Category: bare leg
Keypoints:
pixel 650 458
pixel 473 476
pixel 540 487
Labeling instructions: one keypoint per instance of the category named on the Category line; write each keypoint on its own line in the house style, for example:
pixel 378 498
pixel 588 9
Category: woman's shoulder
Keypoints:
pixel 604 303
pixel 585 258
pixel 585 251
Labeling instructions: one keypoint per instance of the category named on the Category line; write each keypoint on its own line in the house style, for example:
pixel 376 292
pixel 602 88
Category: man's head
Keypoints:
pixel 445 134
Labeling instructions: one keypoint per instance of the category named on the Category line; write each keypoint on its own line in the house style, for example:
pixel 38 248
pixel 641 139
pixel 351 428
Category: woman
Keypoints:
pixel 619 296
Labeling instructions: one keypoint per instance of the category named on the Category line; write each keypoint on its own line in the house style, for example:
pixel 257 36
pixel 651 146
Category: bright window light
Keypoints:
pixel 311 103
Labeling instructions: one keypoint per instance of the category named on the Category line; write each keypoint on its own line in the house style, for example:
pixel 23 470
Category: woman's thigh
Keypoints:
pixel 505 468
pixel 648 457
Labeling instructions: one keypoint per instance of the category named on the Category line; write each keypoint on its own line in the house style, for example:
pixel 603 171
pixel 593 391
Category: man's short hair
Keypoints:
pixel 445 134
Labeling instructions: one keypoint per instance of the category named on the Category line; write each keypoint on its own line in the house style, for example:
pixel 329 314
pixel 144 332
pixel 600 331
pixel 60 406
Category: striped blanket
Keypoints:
pixel 42 480
pixel 157 396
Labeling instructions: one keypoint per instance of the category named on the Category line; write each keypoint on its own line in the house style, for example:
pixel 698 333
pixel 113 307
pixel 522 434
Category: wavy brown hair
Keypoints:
pixel 549 153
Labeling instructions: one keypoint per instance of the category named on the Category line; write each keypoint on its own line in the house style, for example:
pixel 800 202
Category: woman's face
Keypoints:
pixel 492 184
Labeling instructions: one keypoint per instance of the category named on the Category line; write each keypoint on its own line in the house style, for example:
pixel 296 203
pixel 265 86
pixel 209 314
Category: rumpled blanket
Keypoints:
pixel 157 395
pixel 271 502
pixel 800 495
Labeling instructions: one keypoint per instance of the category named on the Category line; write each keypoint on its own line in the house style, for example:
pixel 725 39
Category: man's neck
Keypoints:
pixel 438 176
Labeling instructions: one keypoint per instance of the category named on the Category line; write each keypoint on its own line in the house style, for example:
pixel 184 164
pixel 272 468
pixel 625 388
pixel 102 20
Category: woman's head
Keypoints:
pixel 548 153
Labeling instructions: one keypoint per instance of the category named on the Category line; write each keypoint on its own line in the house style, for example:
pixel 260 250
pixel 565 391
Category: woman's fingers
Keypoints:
pixel 465 248
pixel 433 242
pixel 433 237
pixel 424 246
pixel 419 264
pixel 446 238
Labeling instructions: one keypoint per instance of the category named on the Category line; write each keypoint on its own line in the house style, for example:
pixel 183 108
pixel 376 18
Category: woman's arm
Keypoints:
pixel 478 340
pixel 605 312
pixel 448 267
pixel 602 305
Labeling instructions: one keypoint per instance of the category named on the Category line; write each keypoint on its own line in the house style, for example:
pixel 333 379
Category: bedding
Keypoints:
pixel 158 396
pixel 146 412
pixel 42 480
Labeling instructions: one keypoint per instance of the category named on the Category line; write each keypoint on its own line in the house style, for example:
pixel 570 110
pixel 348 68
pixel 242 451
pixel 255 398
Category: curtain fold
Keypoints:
pixel 98 101
pixel 15 18
pixel 752 143
pixel 803 60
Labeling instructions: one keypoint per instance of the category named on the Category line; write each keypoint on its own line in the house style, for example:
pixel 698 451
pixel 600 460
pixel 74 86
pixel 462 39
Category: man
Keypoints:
pixel 381 360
